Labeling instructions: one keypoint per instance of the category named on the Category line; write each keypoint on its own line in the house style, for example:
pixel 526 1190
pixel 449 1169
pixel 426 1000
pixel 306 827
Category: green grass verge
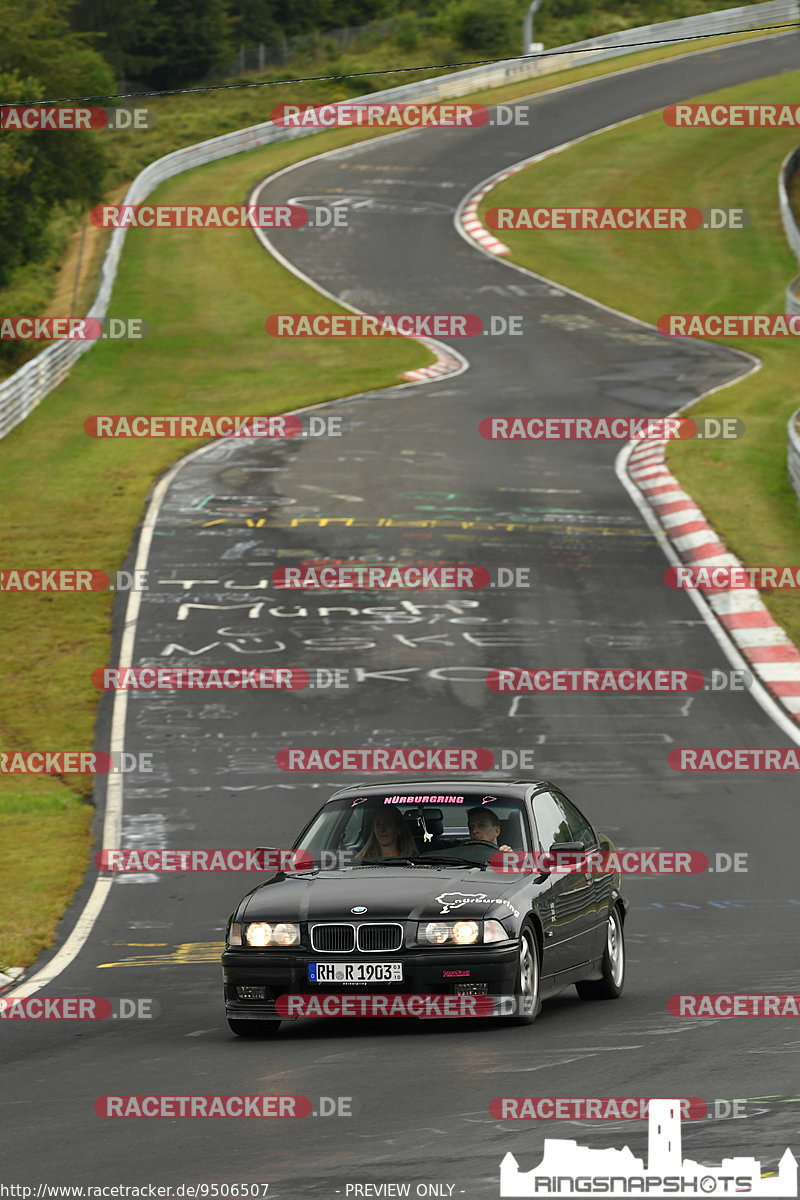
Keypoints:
pixel 76 500
pixel 73 500
pixel 743 487
pixel 45 835
pixel 184 119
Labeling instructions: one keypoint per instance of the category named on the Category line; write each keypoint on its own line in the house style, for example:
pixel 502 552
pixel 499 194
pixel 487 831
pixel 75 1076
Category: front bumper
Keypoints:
pixel 485 970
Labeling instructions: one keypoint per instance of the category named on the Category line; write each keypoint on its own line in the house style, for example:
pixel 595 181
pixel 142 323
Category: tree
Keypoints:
pixel 41 58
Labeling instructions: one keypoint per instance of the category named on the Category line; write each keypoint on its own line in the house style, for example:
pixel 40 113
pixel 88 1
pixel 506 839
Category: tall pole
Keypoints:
pixel 527 26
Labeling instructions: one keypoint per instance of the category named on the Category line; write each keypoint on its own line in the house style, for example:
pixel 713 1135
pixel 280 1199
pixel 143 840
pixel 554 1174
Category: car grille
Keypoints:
pixel 333 938
pixel 369 937
pixel 380 937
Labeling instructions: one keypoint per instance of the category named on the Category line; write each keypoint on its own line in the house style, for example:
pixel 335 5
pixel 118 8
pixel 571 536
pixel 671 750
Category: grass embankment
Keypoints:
pixel 73 500
pixel 57 287
pixel 742 486
pixel 76 500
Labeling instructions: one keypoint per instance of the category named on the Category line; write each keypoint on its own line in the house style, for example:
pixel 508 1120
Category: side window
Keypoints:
pixel 551 820
pixel 579 828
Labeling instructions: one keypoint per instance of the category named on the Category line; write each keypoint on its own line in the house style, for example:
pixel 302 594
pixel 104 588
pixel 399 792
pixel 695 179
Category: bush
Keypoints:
pixel 491 32
pixel 407 32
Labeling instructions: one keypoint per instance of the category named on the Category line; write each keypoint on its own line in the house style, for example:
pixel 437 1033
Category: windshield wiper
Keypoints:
pixel 448 860
pixel 420 860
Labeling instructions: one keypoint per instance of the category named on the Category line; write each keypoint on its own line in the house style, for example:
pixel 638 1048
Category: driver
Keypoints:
pixel 484 825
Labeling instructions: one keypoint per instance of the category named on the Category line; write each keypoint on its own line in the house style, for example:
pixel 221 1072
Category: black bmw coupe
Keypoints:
pixel 415 894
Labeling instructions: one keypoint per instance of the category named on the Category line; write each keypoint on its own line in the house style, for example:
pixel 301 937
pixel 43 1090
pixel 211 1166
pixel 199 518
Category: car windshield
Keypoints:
pixel 365 829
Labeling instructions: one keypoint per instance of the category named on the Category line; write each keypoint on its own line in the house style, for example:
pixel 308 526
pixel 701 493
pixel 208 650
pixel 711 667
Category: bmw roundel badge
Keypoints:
pixel 359 908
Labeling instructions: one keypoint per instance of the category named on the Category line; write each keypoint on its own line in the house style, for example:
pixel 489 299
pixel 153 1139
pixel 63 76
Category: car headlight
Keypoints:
pixel 435 932
pixel 234 937
pixel 465 932
pixel 261 934
pixel 459 933
pixel 286 934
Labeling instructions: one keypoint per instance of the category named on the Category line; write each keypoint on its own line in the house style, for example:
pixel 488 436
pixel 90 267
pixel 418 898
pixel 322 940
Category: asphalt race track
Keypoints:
pixel 411 478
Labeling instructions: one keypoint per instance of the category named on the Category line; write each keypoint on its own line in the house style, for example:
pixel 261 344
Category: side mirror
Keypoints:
pixel 564 856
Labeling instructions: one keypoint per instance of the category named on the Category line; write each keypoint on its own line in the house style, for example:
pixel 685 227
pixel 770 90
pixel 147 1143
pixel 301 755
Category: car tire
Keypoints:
pixel 254 1029
pixel 613 966
pixel 527 982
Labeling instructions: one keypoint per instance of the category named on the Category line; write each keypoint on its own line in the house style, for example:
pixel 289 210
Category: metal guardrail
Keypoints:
pixel 789 167
pixel 794 452
pixel 27 387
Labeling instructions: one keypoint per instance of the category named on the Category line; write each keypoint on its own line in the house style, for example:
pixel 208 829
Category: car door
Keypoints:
pixel 582 831
pixel 570 937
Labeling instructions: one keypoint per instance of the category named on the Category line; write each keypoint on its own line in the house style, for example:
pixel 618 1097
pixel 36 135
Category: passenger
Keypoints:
pixel 484 825
pixel 389 837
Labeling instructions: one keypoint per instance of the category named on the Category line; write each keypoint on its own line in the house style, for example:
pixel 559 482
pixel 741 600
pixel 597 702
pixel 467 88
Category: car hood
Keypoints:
pixel 396 893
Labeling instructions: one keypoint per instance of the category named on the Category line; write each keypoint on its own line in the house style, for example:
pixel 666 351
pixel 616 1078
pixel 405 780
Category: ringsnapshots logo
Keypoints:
pixel 568 1169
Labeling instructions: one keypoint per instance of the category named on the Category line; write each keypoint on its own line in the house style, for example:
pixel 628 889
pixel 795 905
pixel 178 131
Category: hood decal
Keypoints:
pixel 449 900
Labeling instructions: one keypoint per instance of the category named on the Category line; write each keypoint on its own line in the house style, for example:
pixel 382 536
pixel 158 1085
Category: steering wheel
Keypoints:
pixel 480 842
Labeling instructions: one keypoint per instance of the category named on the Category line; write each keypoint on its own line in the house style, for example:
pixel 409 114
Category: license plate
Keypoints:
pixel 355 972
